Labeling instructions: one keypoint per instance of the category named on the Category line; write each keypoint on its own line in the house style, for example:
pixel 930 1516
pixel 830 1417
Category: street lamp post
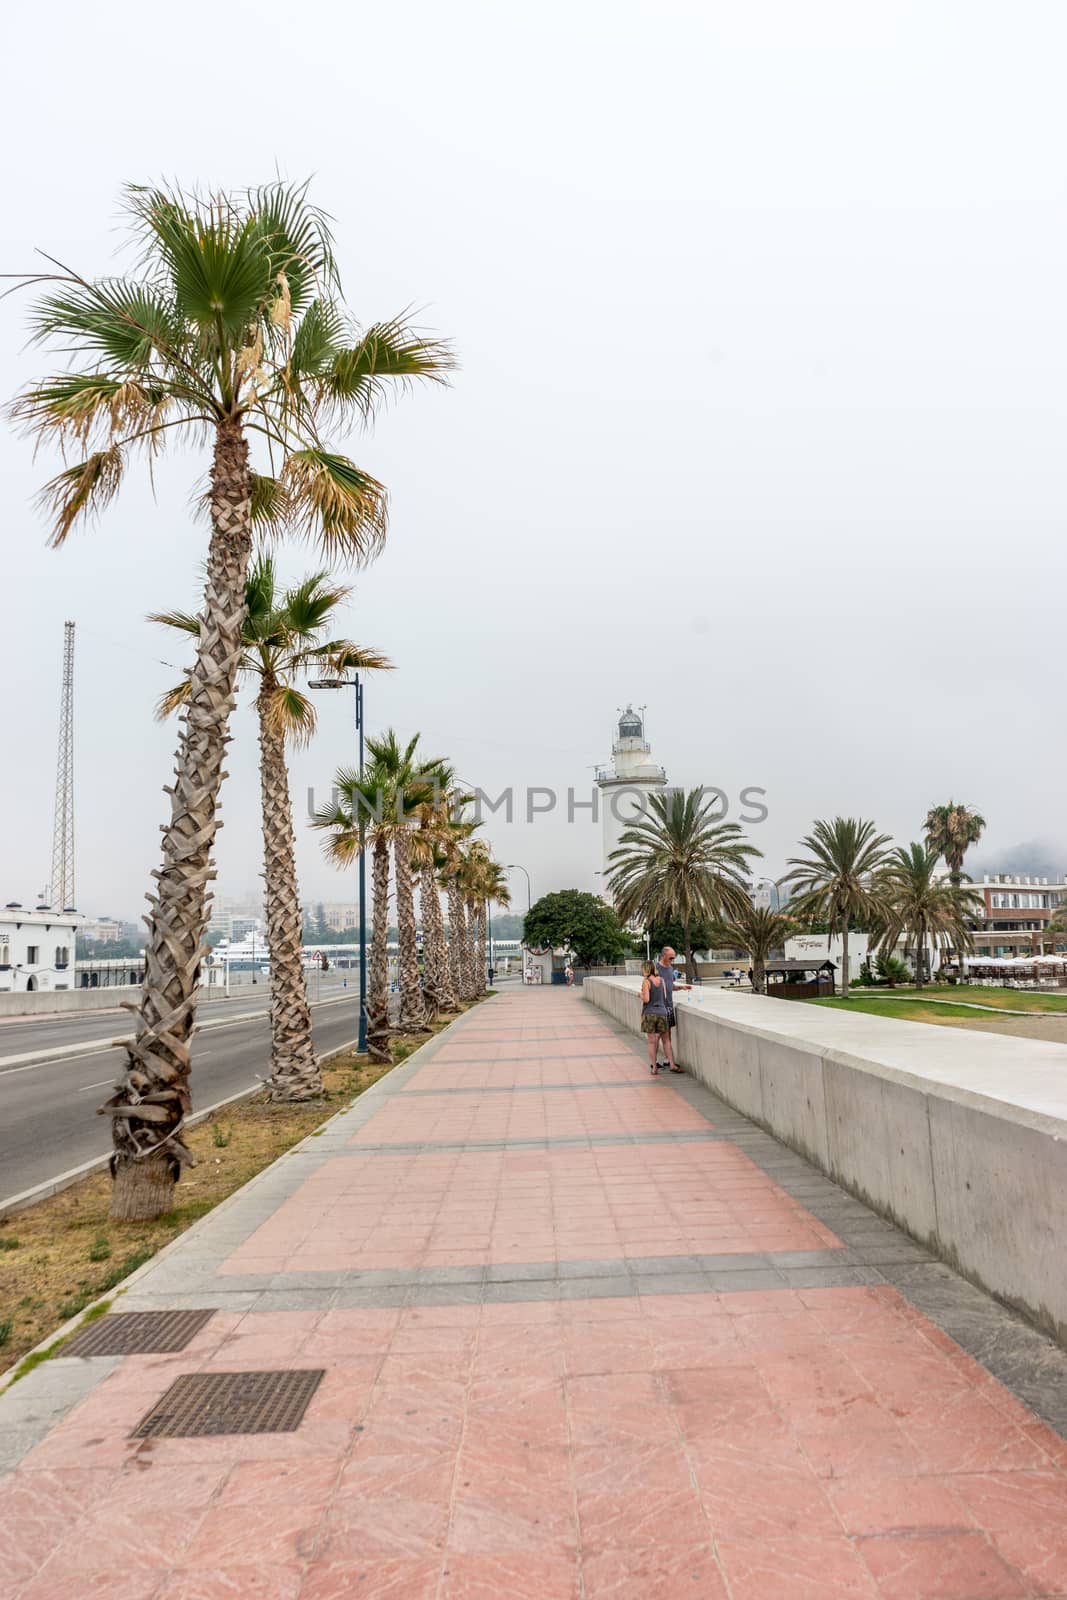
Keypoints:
pixel 516 866
pixel 355 682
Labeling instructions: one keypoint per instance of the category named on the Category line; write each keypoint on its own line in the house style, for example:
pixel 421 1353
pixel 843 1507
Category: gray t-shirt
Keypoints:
pixel 669 977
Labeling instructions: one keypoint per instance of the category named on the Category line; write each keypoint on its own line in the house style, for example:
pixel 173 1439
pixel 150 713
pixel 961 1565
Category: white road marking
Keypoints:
pixel 101 1085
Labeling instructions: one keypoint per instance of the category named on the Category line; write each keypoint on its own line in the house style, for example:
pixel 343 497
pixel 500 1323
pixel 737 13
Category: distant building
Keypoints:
pixel 765 895
pixel 339 918
pixel 102 930
pixel 624 786
pixel 1017 911
pixel 37 948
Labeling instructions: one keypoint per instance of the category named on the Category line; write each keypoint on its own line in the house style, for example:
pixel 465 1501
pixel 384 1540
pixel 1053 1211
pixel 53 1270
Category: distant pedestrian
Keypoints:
pixel 568 973
pixel 666 971
pixel 653 1011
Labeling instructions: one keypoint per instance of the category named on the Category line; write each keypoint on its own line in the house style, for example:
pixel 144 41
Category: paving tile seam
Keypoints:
pixel 541 1142
pixel 534 1088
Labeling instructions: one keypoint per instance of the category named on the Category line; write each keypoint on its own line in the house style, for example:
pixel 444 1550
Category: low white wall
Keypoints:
pixel 959 1137
pixel 49 1002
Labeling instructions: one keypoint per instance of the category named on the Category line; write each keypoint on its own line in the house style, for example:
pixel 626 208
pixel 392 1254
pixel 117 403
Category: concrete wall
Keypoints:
pixel 50 1002
pixel 959 1137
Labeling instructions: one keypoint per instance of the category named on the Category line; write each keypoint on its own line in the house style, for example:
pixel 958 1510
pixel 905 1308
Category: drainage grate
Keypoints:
pixel 138 1333
pixel 201 1403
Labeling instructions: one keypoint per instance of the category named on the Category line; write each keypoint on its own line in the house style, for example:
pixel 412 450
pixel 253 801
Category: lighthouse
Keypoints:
pixel 625 785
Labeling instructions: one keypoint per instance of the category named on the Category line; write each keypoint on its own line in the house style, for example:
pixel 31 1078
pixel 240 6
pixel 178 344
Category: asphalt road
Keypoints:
pixel 48 1120
pixel 20 1035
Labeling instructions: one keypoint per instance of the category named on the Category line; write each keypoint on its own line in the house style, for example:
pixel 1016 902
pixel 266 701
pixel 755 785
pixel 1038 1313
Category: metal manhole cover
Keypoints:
pixel 200 1403
pixel 138 1333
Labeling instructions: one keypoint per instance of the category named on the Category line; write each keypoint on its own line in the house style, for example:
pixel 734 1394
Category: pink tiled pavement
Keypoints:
pixel 535 1072
pixel 456 1208
pixel 447 1118
pixel 612 1450
pixel 826 1444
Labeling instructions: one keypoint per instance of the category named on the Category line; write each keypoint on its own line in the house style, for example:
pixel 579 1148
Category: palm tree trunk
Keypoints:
pixel 294 1072
pixel 149 1108
pixel 433 925
pixel 920 941
pixel 759 973
pixel 470 952
pixel 378 985
pixel 844 963
pixel 457 936
pixel 478 976
pixel 690 959
pixel 412 1009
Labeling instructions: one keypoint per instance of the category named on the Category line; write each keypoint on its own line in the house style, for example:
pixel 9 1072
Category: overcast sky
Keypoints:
pixel 760 421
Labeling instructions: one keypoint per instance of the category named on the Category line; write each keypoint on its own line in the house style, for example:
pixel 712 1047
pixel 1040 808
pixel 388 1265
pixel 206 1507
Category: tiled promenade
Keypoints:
pixel 586 1336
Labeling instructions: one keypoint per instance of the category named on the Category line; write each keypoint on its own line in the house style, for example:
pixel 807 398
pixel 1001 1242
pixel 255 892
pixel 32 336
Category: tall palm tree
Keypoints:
pixel 918 907
pixel 230 329
pixel 489 886
pixel 454 836
pixel 758 931
pixel 406 782
pixel 950 831
pixel 354 822
pixel 837 882
pixel 429 849
pixel 284 633
pixel 678 863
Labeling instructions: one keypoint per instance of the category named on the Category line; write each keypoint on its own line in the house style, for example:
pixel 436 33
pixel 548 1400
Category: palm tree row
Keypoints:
pixel 679 862
pixel 230 330
pixel 405 811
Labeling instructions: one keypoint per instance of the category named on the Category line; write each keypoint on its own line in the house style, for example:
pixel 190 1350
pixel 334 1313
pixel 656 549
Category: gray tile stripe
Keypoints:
pixel 538 1088
pixel 587 1141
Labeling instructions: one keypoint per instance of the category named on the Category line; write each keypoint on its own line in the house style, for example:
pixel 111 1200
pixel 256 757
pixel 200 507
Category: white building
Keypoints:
pixel 102 930
pixel 37 948
pixel 818 945
pixel 765 895
pixel 625 785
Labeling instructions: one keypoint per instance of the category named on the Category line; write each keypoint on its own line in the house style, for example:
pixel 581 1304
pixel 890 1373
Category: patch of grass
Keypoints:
pixel 900 1007
pixel 43 1280
pixel 5 1330
pixel 10 1244
pixel 100 1249
pixel 220 1136
pixel 998 999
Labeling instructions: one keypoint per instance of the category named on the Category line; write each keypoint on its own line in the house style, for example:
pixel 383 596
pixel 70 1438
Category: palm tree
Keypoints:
pixel 950 831
pixel 230 329
pixel 917 906
pixel 454 835
pixel 492 883
pixel 355 823
pixel 836 882
pixel 678 863
pixel 406 785
pixel 284 634
pixel 758 932
pixel 429 853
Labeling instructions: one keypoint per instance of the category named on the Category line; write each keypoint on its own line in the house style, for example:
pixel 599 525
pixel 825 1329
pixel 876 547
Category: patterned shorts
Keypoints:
pixel 651 1023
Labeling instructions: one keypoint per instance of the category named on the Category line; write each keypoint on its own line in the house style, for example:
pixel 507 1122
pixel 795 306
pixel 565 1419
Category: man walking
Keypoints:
pixel 665 968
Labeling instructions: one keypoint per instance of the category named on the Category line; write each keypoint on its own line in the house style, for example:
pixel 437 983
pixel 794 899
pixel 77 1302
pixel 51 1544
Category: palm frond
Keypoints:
pixel 291 714
pixel 388 353
pixel 82 490
pixel 336 504
pixel 172 699
pixel 183 620
pixel 219 266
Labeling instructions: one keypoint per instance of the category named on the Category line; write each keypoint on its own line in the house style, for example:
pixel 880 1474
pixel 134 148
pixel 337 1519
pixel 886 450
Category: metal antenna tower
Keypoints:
pixel 62 885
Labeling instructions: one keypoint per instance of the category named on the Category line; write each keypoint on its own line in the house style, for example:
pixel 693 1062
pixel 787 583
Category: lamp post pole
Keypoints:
pixel 362 1045
pixel 516 866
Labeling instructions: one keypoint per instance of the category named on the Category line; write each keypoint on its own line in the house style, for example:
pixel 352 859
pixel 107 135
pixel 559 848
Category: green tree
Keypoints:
pixel 231 329
pixel 950 831
pixel 285 634
pixel 837 882
pixel 570 919
pixel 704 935
pixel 759 931
pixel 918 907
pixel 678 863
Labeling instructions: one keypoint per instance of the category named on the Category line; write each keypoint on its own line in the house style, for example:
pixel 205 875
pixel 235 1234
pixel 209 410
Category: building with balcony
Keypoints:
pixel 37 948
pixel 1016 913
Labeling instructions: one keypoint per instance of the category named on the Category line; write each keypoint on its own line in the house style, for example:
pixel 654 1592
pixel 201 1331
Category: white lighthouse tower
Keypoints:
pixel 626 784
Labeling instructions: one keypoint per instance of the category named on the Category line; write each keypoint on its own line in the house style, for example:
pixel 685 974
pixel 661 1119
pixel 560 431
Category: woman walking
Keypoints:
pixel 653 1011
